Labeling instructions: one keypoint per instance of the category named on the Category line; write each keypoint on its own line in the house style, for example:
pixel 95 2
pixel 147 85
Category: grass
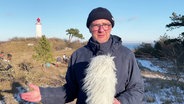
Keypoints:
pixel 165 89
pixel 38 75
pixel 54 76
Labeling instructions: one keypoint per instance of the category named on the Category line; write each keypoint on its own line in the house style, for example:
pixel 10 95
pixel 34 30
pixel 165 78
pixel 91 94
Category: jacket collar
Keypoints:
pixel 104 48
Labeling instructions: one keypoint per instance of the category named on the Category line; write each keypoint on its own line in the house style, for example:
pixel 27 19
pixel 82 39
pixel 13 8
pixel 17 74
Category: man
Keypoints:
pixel 65 59
pixel 2 55
pixel 129 87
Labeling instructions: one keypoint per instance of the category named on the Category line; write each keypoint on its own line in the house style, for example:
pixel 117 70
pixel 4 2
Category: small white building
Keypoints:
pixel 38 28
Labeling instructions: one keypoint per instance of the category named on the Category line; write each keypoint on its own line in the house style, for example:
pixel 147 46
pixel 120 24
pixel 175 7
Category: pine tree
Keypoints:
pixel 43 51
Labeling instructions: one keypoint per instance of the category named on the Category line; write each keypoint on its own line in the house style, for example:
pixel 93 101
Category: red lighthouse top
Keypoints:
pixel 38 19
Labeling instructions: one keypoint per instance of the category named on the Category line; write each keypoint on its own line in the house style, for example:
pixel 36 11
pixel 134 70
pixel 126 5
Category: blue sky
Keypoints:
pixel 135 20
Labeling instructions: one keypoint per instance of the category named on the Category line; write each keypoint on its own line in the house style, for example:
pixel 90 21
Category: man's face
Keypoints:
pixel 100 30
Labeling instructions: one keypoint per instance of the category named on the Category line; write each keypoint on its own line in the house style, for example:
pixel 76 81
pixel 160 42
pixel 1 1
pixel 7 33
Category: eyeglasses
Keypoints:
pixel 97 26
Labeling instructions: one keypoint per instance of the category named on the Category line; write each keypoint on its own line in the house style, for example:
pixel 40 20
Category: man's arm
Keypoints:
pixel 134 90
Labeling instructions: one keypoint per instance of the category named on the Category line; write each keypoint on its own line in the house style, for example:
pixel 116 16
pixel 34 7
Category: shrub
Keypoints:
pixel 43 51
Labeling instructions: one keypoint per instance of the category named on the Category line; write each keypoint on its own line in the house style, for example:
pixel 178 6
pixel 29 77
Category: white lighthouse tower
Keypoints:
pixel 38 28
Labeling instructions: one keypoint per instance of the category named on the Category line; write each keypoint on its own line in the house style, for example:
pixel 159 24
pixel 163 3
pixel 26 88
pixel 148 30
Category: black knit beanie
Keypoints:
pixel 99 13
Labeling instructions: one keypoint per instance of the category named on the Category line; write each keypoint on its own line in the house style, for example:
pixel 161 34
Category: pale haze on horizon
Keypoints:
pixel 135 20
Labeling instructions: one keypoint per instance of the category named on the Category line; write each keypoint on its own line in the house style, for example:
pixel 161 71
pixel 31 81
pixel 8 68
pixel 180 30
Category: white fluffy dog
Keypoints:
pixel 100 80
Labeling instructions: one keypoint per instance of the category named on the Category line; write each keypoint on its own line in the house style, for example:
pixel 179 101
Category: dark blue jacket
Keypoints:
pixel 129 88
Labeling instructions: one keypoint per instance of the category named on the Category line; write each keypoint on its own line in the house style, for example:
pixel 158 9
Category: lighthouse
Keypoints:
pixel 38 28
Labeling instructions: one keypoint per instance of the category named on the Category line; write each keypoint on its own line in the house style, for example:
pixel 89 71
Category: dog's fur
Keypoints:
pixel 100 80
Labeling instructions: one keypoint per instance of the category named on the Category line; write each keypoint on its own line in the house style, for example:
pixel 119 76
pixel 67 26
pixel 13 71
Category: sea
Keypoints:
pixel 131 46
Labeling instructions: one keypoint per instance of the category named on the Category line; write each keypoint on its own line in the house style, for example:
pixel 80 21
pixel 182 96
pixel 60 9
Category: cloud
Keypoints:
pixel 8 14
pixel 132 19
pixel 129 19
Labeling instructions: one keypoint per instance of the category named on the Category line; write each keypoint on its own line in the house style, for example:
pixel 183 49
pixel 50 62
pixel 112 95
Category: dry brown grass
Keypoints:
pixel 38 75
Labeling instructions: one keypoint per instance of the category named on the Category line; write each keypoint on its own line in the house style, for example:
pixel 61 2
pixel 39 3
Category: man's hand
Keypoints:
pixel 32 96
pixel 116 101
